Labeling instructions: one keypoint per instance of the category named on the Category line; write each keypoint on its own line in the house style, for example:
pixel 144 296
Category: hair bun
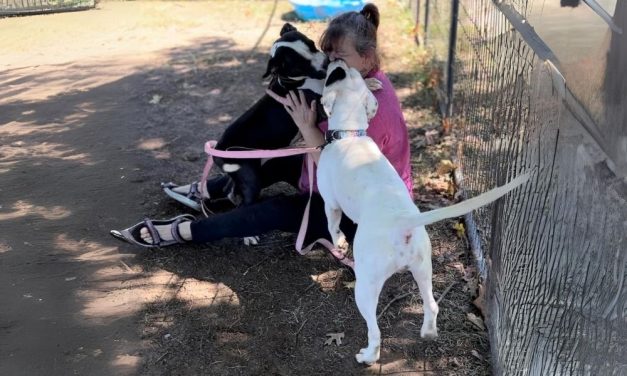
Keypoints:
pixel 371 12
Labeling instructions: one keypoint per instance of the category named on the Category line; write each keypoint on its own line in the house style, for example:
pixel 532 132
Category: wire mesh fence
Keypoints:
pixel 540 86
pixel 24 7
pixel 433 21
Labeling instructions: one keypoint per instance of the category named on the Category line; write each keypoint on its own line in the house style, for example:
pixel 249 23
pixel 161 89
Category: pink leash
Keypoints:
pixel 247 154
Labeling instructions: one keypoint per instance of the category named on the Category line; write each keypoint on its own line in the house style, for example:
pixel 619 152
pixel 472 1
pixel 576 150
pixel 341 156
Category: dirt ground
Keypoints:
pixel 97 108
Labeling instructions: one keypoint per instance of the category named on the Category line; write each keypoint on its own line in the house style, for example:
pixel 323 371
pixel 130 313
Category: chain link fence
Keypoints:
pixel 26 7
pixel 540 86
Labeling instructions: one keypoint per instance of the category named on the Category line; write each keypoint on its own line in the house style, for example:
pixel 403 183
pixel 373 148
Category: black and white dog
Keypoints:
pixel 295 64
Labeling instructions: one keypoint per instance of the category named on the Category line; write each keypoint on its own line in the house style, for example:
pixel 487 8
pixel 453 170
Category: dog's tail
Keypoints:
pixel 464 207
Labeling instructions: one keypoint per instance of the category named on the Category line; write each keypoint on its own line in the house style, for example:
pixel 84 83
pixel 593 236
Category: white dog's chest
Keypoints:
pixel 354 173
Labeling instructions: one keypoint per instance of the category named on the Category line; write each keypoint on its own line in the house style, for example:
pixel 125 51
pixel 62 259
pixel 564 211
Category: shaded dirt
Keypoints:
pixel 97 108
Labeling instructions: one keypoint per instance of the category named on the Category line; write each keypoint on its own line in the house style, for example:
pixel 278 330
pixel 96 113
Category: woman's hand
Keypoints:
pixel 295 104
pixel 304 116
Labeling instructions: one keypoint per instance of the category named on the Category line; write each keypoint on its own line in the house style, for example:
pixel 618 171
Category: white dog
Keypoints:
pixel 354 177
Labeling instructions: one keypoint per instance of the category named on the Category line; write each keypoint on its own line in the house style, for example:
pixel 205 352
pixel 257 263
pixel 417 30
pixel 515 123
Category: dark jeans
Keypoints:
pixel 282 212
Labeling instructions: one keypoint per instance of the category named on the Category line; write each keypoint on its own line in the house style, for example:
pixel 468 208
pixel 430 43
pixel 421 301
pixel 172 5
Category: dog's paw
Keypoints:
pixel 235 199
pixel 343 247
pixel 373 84
pixel 251 240
pixel 368 357
pixel 342 244
pixel 428 332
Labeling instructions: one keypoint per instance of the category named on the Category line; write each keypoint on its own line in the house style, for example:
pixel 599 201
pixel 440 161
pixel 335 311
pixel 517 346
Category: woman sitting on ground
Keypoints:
pixel 351 36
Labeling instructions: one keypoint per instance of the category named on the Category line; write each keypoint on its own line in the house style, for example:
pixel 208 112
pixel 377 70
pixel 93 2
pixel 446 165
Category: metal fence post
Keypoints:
pixel 427 6
pixel 451 57
pixel 417 38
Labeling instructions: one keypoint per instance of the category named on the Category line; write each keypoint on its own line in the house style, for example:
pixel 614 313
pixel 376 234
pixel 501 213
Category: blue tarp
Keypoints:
pixel 312 10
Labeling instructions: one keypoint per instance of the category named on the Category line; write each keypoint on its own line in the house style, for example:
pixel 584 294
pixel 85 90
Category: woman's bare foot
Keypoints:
pixel 165 232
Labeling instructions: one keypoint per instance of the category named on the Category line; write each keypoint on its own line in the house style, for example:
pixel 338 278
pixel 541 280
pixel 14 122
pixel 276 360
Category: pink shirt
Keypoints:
pixel 388 130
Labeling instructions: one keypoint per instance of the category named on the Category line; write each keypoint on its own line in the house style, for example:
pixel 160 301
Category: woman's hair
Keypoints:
pixel 360 26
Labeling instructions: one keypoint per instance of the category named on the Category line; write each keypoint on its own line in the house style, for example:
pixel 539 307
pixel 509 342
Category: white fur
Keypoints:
pixel 313 84
pixel 317 59
pixel 298 46
pixel 356 178
pixel 251 240
pixel 230 167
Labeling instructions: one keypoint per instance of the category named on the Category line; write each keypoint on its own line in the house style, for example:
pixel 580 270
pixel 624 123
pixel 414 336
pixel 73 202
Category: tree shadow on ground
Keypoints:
pixel 90 158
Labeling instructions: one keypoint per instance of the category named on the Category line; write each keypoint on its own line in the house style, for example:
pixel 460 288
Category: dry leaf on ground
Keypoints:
pixel 337 337
pixel 476 320
pixel 475 353
pixel 460 230
pixel 155 99
pixel 479 302
pixel 432 137
pixel 445 167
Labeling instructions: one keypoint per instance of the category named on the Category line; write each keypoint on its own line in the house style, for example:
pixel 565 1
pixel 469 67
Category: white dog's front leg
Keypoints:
pixel 422 274
pixel 334 217
pixel 367 290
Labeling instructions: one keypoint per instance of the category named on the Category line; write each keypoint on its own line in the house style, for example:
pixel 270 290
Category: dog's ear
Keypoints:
pixel 327 100
pixel 372 105
pixel 287 28
pixel 270 68
pixel 338 74
pixel 329 95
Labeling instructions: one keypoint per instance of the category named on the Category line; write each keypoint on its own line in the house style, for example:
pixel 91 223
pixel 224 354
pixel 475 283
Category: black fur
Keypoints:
pixel 337 75
pixel 285 60
pixel 286 28
pixel 266 125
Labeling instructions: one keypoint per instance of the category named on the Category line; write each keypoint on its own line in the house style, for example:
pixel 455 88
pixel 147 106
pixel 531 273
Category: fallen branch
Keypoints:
pixel 301 327
pixel 161 357
pixel 255 265
pixel 399 297
pixel 446 291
